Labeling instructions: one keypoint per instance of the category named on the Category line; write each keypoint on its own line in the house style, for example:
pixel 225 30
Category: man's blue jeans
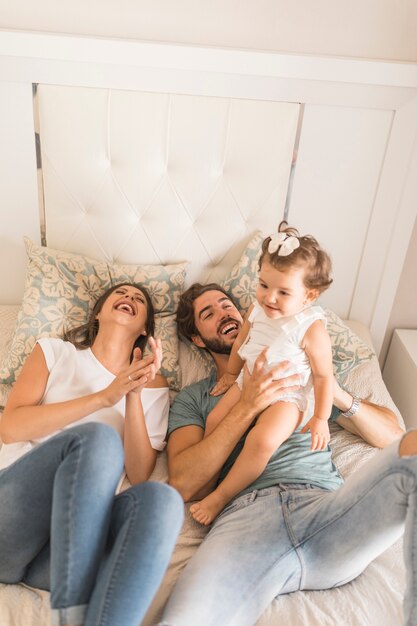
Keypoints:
pixel 291 537
pixel 62 528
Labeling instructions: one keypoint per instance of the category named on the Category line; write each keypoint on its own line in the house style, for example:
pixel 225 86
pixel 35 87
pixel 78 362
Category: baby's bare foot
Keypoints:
pixel 207 509
pixel 199 514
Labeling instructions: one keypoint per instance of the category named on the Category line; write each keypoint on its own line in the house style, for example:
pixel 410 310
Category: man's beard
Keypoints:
pixel 216 345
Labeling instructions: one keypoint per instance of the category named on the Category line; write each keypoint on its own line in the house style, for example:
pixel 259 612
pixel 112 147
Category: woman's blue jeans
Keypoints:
pixel 62 528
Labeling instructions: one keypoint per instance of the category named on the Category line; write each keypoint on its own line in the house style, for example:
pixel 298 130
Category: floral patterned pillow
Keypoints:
pixel 349 351
pixel 61 288
pixel 242 279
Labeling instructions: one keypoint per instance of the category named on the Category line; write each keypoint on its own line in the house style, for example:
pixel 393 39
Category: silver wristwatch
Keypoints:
pixel 356 402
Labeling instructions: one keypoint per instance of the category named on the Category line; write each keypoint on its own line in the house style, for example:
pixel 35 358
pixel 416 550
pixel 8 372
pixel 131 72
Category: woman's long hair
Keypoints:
pixel 83 336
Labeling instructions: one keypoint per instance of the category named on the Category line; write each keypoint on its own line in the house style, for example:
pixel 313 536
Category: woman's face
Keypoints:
pixel 126 305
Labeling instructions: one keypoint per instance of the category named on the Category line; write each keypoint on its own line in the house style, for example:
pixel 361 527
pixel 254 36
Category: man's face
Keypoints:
pixel 217 320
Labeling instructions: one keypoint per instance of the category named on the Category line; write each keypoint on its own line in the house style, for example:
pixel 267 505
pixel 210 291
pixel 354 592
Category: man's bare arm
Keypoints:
pixel 377 425
pixel 194 461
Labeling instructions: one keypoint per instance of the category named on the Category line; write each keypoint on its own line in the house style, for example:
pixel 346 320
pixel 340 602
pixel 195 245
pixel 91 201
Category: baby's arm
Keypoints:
pixel 319 351
pixel 235 363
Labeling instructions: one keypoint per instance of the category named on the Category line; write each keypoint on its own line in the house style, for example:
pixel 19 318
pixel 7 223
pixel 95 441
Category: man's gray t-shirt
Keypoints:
pixel 292 462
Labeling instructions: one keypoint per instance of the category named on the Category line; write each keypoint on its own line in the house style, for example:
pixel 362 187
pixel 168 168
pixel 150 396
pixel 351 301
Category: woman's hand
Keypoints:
pixel 153 366
pixel 141 371
pixel 134 377
pixel 156 347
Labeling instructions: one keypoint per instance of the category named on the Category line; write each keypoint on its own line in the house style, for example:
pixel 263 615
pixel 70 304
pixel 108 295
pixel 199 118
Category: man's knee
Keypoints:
pixel 408 445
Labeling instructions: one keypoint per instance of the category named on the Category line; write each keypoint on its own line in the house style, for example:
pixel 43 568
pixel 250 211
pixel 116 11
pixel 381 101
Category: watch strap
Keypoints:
pixel 356 402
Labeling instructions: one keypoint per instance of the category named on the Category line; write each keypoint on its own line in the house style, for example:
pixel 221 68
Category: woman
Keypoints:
pixel 61 526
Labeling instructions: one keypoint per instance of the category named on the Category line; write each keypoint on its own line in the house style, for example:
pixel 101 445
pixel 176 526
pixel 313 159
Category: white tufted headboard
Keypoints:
pixel 158 178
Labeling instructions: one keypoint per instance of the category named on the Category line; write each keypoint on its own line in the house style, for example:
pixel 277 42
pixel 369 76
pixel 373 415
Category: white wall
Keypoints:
pixel 404 310
pixel 374 29
pixel 18 189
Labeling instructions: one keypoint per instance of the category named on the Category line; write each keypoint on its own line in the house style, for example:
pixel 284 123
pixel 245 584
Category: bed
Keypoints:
pixel 374 598
pixel 170 188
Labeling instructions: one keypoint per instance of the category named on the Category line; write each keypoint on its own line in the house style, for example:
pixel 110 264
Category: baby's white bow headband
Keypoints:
pixel 285 244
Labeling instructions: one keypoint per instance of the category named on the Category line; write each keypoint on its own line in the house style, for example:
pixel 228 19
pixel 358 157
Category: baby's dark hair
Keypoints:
pixel 308 255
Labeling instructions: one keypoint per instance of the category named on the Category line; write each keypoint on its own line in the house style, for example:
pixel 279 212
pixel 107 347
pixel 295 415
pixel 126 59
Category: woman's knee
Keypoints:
pixel 155 501
pixel 158 495
pixel 100 434
pixel 102 444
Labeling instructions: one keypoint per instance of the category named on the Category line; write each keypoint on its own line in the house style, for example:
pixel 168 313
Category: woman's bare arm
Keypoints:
pixel 140 457
pixel 25 418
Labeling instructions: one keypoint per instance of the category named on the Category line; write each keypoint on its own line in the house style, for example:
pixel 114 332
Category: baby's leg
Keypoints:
pixel 222 408
pixel 273 427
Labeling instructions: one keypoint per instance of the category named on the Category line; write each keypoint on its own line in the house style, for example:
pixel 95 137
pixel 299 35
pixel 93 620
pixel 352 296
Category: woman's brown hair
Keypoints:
pixel 83 336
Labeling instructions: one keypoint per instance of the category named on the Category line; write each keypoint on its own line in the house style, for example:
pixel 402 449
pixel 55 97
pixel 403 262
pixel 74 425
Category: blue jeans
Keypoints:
pixel 291 537
pixel 62 528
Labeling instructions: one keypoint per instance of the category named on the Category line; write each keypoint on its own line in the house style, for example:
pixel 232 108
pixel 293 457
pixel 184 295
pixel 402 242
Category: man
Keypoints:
pixel 295 527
